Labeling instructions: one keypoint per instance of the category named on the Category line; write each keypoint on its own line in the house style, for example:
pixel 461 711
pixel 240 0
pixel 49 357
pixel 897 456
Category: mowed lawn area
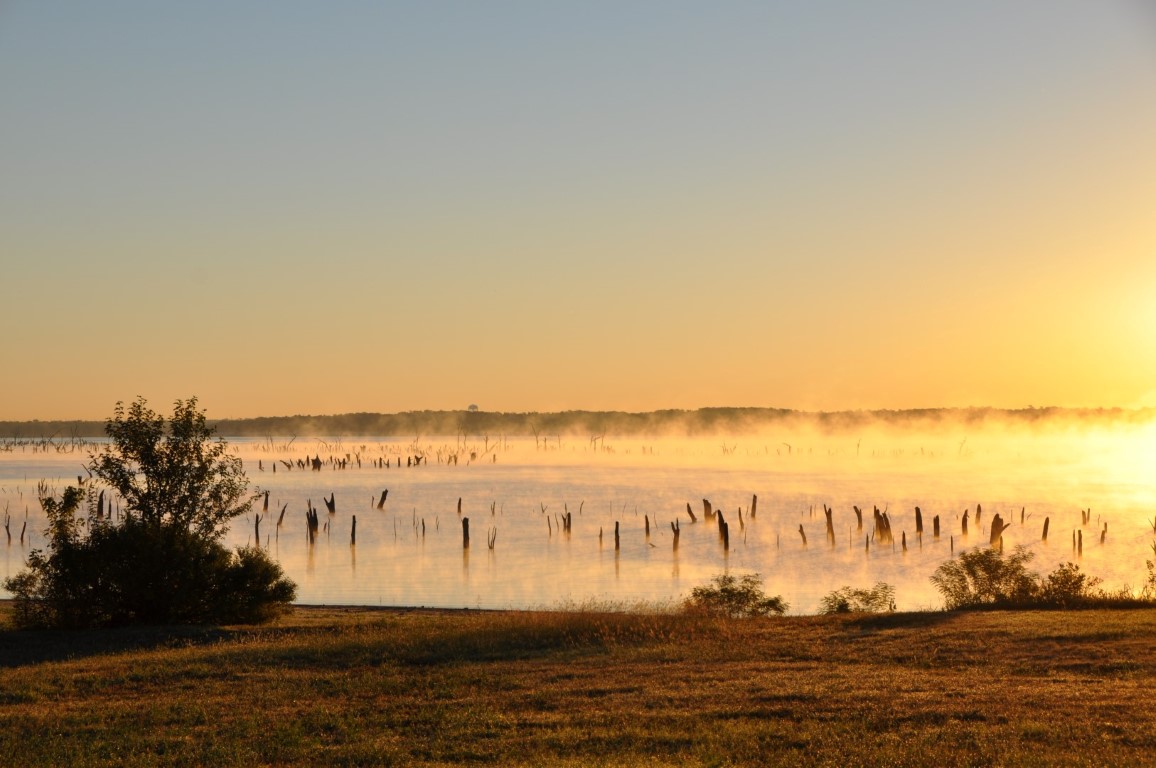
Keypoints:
pixel 349 686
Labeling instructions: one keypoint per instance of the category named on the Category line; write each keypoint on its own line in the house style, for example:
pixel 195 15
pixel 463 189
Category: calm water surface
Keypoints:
pixel 411 552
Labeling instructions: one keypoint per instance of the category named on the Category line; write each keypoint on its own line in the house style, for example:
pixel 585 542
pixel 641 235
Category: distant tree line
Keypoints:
pixel 685 423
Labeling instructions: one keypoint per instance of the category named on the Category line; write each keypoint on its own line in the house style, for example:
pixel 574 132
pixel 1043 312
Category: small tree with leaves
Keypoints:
pixel 163 562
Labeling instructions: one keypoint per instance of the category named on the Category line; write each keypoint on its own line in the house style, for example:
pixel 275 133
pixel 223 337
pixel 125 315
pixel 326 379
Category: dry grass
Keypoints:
pixel 366 687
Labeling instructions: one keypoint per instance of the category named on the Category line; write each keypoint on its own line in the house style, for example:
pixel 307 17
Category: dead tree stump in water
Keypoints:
pixel 858 518
pixel 998 526
pixel 353 533
pixel 675 529
pixel 707 511
pixel 965 522
pixel 690 512
pixel 754 505
pixel 331 503
pixel 918 520
pixel 1047 520
pixel 381 501
pixel 616 541
pixel 647 519
pixel 803 534
pixel 935 526
pixel 465 533
pixel 726 536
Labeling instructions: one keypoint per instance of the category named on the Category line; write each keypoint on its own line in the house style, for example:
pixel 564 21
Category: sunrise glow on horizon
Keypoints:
pixel 302 208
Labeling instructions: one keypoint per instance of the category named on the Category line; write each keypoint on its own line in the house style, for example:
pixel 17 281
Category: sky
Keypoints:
pixel 310 208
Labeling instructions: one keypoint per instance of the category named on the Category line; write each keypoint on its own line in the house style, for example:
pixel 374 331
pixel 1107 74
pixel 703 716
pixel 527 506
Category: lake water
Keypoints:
pixel 521 488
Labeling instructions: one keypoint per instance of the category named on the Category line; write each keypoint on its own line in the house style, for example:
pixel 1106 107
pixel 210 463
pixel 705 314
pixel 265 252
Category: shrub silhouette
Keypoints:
pixel 163 562
pixel 735 598
pixel 984 576
pixel 878 599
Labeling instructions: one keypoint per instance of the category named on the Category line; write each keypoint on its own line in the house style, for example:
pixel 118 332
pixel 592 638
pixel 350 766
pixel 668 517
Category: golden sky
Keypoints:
pixel 321 208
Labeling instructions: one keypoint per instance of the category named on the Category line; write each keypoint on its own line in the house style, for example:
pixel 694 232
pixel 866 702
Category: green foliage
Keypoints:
pixel 735 598
pixel 179 476
pixel 163 563
pixel 984 576
pixel 878 599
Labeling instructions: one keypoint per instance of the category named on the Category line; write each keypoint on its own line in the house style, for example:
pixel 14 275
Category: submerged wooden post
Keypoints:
pixel 754 505
pixel 1046 521
pixel 904 536
pixel 935 526
pixel 647 519
pixel 465 533
pixel 918 520
pixel 803 534
pixel 616 542
pixel 353 532
pixel 381 501
pixel 1080 543
pixel 726 536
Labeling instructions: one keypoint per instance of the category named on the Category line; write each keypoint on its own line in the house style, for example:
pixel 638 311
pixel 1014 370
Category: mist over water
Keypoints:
pixel 522 487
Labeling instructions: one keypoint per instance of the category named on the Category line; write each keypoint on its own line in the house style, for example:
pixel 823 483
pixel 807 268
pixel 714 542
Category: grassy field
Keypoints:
pixel 372 687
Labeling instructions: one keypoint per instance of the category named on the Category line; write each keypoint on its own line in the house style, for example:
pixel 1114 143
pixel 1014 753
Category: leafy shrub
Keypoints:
pixel 878 599
pixel 1067 587
pixel 734 598
pixel 984 576
pixel 163 563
